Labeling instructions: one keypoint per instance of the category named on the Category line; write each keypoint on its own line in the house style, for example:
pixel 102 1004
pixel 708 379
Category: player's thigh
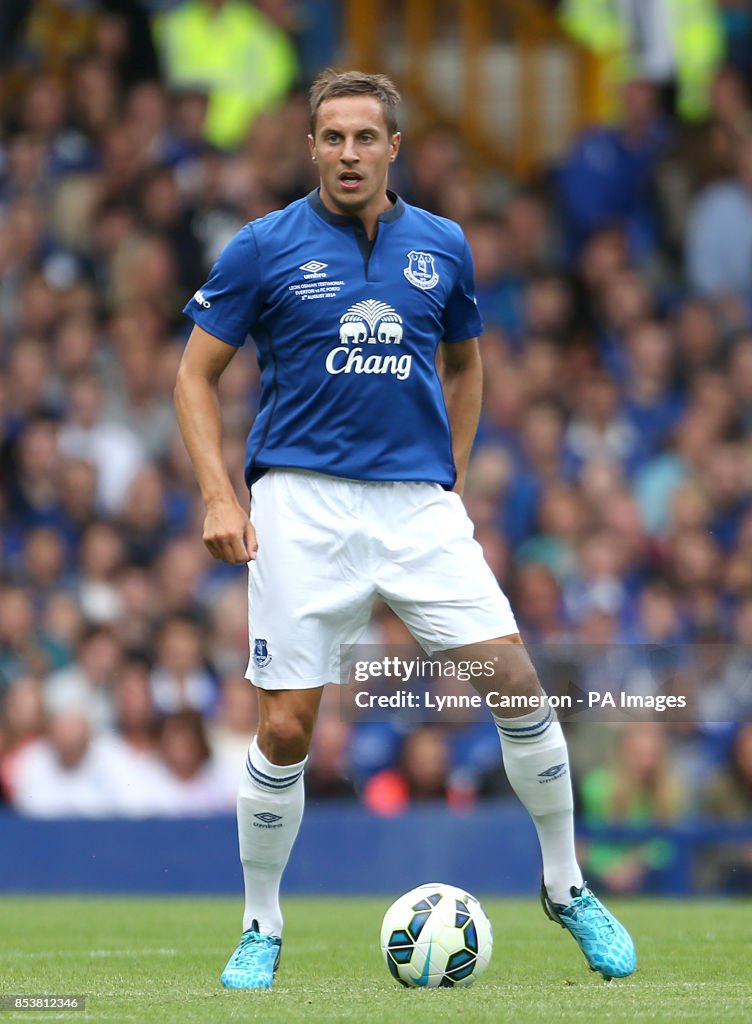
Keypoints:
pixel 441 586
pixel 307 593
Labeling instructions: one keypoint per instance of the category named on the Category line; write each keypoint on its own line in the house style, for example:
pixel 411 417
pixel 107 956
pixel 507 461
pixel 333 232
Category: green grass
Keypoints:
pixel 159 960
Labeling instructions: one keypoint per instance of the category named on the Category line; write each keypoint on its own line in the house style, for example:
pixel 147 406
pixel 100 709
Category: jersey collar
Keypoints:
pixel 344 220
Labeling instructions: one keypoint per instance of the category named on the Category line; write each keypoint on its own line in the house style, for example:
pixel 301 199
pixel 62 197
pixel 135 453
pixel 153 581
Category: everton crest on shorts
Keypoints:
pixel 260 656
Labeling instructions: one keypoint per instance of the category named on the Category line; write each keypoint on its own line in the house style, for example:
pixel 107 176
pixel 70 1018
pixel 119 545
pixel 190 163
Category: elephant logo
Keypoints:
pixel 370 321
pixel 389 332
pixel 353 332
pixel 421 270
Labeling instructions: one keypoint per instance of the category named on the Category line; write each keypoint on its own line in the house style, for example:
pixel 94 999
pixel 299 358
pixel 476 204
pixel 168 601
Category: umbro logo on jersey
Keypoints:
pixel 201 300
pixel 313 268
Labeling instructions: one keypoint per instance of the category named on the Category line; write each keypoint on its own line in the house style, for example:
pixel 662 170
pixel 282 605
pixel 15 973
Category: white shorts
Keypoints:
pixel 328 547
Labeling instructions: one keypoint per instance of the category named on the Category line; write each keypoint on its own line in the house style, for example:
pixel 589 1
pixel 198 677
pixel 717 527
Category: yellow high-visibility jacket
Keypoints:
pixel 597 25
pixel 235 53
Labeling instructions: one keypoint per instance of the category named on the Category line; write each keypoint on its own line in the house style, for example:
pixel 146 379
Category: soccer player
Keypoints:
pixel 356 462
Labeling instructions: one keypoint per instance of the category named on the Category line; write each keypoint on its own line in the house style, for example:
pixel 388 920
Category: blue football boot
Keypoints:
pixel 607 945
pixel 254 963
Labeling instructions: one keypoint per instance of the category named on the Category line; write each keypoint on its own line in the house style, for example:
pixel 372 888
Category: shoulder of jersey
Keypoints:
pixel 440 227
pixel 271 221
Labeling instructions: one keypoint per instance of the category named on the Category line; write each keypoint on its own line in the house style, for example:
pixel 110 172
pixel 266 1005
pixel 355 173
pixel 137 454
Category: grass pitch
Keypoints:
pixel 159 960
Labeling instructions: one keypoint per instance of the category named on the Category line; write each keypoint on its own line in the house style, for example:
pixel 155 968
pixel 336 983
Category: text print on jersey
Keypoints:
pixel 369 323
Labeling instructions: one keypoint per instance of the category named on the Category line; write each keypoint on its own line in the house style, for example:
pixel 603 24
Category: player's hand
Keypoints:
pixel 228 533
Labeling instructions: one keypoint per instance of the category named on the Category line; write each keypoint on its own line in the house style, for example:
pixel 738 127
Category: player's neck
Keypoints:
pixel 368 216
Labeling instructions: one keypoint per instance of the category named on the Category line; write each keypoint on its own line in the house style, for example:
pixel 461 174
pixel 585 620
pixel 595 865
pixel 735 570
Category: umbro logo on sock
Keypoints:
pixel 554 772
pixel 267 820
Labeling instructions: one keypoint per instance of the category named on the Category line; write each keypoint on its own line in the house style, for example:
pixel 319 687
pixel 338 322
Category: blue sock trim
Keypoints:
pixel 526 732
pixel 268 781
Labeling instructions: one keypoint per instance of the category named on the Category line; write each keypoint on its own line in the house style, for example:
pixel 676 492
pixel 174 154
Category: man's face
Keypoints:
pixel 353 149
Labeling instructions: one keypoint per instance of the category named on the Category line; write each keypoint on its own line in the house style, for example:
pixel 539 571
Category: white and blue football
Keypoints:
pixel 436 936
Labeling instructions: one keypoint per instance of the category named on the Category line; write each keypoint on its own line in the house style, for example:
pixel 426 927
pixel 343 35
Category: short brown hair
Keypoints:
pixel 330 84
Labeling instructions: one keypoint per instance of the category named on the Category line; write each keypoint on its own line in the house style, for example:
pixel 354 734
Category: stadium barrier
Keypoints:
pixel 341 850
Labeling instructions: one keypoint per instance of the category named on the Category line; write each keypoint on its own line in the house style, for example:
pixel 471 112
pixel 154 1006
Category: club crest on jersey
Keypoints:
pixel 261 656
pixel 421 270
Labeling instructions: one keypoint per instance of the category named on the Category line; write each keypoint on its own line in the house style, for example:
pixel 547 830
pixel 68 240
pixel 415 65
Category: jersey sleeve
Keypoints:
pixel 229 303
pixel 461 317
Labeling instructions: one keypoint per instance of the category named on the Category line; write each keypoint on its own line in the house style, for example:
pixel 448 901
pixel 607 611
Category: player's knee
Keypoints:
pixel 284 737
pixel 520 682
pixel 515 674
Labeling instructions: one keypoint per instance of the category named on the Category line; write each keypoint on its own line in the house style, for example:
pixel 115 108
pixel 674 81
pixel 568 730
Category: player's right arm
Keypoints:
pixel 228 533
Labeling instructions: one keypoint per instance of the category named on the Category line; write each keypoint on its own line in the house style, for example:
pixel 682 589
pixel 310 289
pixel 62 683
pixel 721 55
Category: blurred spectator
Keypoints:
pixel 540 463
pixel 608 177
pixel 719 232
pixel 87 684
pixel 697 337
pixel 163 212
pixel 327 776
pixel 135 741
pixel 180 679
pixel 179 575
pixel 227 648
pixel 600 577
pixel 601 430
pixel 727 796
pixel 89 433
pixel 192 782
pixel 639 787
pixel 561 519
pixel 230 48
pixel 41 571
pixel 658 618
pixel 422 774
pixel 101 556
pixel 23 646
pixel 143 524
pixel 123 39
pixel 538 604
pixel 22 722
pixel 33 473
pixel 431 158
pixel 70 773
pixel 234 722
pixel 653 403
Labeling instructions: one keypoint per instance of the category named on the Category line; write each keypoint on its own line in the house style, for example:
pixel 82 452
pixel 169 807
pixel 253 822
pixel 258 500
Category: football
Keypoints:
pixel 436 936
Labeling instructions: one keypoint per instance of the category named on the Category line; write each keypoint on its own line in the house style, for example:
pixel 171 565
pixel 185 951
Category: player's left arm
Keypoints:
pixel 461 374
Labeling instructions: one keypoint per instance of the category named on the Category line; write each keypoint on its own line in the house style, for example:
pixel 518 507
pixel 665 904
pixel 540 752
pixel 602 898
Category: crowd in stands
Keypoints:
pixel 611 483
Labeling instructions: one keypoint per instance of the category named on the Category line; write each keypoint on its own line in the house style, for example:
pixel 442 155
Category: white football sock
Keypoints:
pixel 537 766
pixel 270 809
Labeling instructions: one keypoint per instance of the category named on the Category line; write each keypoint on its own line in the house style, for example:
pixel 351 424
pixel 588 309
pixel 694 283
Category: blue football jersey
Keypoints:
pixel 346 333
